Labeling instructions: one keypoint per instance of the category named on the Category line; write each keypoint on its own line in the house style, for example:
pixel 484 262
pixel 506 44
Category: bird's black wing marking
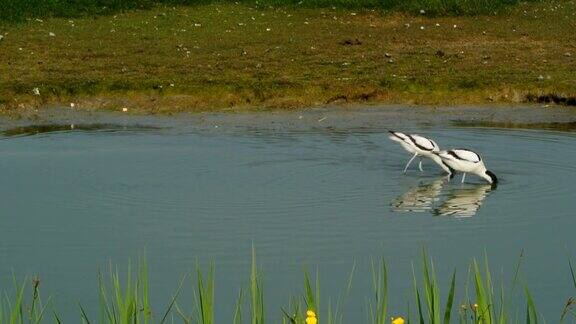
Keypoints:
pixel 431 143
pixel 462 158
pixel 395 135
pixel 418 145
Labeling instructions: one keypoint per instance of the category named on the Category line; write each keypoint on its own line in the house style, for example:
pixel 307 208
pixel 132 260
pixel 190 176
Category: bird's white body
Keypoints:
pixel 467 161
pixel 419 146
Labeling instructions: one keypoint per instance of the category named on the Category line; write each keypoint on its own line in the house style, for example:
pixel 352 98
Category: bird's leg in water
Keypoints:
pixel 420 165
pixel 408 164
pixel 463 177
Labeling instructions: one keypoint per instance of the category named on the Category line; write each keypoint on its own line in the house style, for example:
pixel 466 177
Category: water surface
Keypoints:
pixel 303 191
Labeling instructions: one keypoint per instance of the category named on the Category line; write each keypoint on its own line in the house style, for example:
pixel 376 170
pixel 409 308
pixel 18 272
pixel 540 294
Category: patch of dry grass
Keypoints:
pixel 227 56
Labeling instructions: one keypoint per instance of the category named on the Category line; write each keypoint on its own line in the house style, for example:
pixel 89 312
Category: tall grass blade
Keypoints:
pixel 531 313
pixel 173 300
pixel 83 314
pixel 572 273
pixel 205 296
pixel 483 310
pixel 257 295
pixel 237 319
pixel 379 306
pixel 56 318
pixel 417 297
pixel 450 300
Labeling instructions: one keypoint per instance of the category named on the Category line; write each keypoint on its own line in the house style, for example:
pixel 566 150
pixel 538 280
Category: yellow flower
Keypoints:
pixel 311 317
pixel 397 320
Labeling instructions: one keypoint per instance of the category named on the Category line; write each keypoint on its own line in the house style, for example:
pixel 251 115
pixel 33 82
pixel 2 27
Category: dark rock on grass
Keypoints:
pixel 552 98
pixel 350 42
pixel 362 96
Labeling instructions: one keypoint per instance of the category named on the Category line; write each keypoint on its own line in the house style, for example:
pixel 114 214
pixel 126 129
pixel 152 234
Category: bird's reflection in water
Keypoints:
pixel 428 196
pixel 463 202
pixel 420 198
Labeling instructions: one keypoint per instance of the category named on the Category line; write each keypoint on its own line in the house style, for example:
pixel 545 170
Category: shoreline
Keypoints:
pixel 142 103
pixel 362 118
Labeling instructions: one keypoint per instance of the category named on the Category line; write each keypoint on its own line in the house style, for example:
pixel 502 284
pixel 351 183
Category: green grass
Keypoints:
pixel 15 310
pixel 125 301
pixel 378 305
pixel 229 56
pixel 11 10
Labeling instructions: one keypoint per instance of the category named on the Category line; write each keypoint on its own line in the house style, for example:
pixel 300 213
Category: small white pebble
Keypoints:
pixel 455 26
pixel 72 105
pixel 422 11
pixel 268 29
pixel 422 27
pixel 197 25
pixel 437 25
pixel 51 34
pixel 36 91
pixel 71 126
pixel 352 14
pixel 124 109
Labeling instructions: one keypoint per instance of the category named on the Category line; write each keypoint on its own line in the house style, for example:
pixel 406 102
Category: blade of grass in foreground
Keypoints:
pixel 312 296
pixel 257 295
pixel 173 301
pixel 205 296
pixel 450 301
pixel 237 319
pixel 483 313
pixel 378 306
pixel 568 306
pixel 431 289
pixel 417 297
pixel 531 314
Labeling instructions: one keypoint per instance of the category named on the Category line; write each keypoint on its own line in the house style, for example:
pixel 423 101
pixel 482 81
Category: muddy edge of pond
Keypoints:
pixel 337 117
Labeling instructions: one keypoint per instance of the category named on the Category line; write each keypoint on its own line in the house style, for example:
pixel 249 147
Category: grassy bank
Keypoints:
pixel 15 11
pixel 476 298
pixel 239 56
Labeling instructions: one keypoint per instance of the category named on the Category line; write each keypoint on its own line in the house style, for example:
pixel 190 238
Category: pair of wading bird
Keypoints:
pixel 460 160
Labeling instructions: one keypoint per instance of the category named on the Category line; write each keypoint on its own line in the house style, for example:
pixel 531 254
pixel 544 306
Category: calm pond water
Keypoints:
pixel 319 196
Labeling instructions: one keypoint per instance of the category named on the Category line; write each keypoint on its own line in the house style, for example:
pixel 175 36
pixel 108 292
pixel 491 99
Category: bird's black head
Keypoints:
pixel 493 177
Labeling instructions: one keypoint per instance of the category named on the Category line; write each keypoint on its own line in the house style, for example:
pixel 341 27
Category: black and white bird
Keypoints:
pixel 467 161
pixel 419 146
